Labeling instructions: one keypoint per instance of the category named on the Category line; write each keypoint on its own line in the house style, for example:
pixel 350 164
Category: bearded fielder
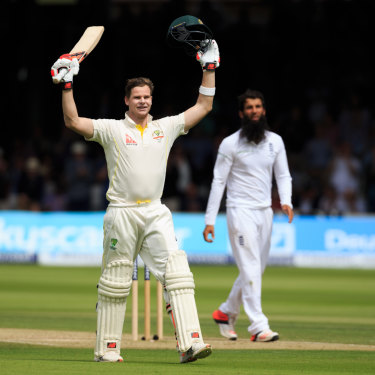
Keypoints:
pixel 245 165
pixel 136 150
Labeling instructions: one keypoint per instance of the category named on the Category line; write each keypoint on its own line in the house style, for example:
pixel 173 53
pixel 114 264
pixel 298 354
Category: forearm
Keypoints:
pixel 283 179
pixel 214 200
pixel 204 102
pixel 209 60
pixel 208 78
pixel 222 168
pixel 284 188
pixel 69 107
pixel 81 125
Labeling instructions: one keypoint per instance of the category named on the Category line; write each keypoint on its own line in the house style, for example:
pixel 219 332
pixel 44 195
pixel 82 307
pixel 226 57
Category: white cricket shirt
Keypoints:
pixel 136 157
pixel 246 169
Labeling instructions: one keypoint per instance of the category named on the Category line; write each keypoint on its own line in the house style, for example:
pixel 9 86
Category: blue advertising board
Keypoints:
pixel 63 238
pixel 51 238
pixel 335 241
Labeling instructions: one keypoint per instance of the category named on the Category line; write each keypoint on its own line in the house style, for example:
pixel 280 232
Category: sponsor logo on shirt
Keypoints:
pixel 158 135
pixel 129 140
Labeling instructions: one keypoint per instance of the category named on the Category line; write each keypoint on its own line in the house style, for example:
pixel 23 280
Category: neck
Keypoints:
pixel 142 121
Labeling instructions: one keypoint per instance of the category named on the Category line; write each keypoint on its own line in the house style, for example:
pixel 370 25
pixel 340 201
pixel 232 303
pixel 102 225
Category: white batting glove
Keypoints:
pixel 64 69
pixel 209 60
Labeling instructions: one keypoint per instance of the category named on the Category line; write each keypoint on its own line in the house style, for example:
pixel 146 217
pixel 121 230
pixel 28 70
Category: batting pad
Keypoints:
pixel 113 289
pixel 179 283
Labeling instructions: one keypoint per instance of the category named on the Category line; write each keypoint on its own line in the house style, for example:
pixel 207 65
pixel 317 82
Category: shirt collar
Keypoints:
pixel 127 117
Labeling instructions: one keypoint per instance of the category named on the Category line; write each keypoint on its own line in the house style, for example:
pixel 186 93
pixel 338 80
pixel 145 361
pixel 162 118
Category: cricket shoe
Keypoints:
pixel 109 357
pixel 265 336
pixel 197 351
pixel 225 324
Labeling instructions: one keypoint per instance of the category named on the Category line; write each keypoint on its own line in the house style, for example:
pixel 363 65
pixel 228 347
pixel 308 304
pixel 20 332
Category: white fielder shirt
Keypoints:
pixel 136 158
pixel 246 169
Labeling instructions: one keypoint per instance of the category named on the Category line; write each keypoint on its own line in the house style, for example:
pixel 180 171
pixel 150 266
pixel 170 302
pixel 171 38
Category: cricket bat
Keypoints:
pixel 86 44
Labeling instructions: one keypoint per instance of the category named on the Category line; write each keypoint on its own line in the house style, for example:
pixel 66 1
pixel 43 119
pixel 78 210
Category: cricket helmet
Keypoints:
pixel 190 33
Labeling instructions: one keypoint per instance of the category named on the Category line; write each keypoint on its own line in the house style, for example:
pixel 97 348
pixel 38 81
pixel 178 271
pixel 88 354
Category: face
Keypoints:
pixel 253 109
pixel 139 102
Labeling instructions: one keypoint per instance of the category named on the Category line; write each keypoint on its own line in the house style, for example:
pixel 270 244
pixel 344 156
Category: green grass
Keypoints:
pixel 30 360
pixel 317 305
pixel 301 304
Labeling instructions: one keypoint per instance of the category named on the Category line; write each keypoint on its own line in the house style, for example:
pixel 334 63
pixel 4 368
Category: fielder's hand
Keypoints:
pixel 64 69
pixel 209 230
pixel 209 60
pixel 288 211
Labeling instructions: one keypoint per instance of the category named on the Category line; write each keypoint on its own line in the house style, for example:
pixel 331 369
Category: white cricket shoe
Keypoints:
pixel 225 324
pixel 265 336
pixel 109 357
pixel 197 351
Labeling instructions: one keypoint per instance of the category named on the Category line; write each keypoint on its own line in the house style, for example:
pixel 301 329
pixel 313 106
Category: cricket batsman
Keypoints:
pixel 136 222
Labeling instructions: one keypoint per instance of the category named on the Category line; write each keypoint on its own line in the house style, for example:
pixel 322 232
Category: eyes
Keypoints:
pixel 147 97
pixel 253 107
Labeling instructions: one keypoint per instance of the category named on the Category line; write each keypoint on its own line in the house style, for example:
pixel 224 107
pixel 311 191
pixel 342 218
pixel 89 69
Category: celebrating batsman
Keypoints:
pixel 136 150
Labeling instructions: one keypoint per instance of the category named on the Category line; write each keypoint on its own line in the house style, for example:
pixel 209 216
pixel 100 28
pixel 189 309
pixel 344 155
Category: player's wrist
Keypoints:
pixel 209 67
pixel 67 85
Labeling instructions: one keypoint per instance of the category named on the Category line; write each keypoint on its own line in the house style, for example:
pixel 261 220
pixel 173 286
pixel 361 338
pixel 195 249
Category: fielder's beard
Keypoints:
pixel 254 131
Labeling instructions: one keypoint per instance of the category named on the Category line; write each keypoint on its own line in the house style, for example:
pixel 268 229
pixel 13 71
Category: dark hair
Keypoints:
pixel 250 94
pixel 137 82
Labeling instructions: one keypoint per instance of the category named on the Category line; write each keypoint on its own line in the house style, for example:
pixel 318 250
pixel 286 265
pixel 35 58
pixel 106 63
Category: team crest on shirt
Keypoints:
pixel 158 135
pixel 113 243
pixel 129 140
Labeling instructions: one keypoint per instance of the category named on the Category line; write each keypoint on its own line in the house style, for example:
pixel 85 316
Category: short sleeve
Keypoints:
pixel 102 131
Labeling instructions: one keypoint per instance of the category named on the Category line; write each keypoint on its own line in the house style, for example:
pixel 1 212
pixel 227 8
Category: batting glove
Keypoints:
pixel 64 69
pixel 210 59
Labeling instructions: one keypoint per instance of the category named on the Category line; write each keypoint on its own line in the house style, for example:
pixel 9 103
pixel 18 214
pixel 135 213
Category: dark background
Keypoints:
pixel 313 61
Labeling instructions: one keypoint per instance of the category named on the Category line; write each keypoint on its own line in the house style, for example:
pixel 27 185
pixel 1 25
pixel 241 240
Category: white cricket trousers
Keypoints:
pixel 146 229
pixel 250 237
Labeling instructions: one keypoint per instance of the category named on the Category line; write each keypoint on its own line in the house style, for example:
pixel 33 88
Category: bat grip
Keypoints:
pixel 61 74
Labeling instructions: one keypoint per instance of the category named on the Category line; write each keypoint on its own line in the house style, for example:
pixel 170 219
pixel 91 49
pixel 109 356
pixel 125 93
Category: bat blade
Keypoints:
pixel 88 41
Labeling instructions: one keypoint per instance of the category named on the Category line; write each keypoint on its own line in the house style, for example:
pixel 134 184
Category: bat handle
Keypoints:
pixel 60 75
